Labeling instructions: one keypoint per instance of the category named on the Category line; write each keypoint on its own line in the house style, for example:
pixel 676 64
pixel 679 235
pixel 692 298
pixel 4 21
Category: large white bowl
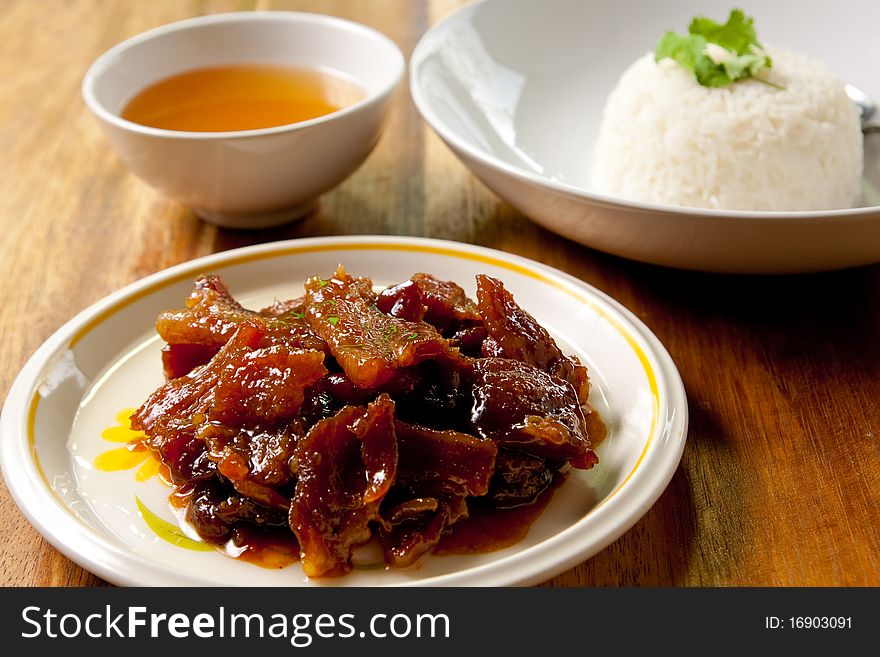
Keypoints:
pixel 516 88
pixel 248 178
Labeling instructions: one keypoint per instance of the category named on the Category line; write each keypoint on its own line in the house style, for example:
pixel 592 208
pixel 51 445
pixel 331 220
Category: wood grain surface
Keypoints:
pixel 780 480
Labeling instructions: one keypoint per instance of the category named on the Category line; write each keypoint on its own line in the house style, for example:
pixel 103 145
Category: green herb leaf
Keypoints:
pixel 333 319
pixel 744 66
pixel 686 50
pixel 737 34
pixel 289 318
pixel 743 60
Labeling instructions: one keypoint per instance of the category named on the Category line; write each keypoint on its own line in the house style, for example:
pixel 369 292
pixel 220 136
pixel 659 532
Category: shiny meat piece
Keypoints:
pixel 211 317
pixel 182 453
pixel 281 308
pixel 243 384
pixel 260 454
pixel 407 543
pixel 368 344
pixel 213 510
pixel 328 514
pixel 343 463
pixel 409 510
pixel 436 462
pixel 446 302
pixel 403 300
pixel 185 397
pixel 519 336
pixel 265 385
pixel 263 495
pixel 521 407
pixel 412 529
pixel 442 304
pixel 378 448
pixel 469 339
pixel 519 479
pixel 181 359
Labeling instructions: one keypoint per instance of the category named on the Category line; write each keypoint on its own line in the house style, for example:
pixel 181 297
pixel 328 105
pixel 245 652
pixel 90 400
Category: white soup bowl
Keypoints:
pixel 248 178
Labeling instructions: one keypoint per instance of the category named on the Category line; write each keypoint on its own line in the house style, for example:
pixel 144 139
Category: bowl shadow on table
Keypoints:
pixel 799 334
pixel 342 212
pixel 352 209
pixel 797 342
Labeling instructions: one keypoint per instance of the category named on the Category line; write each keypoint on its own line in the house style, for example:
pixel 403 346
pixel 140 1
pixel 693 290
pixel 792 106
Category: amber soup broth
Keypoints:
pixel 241 97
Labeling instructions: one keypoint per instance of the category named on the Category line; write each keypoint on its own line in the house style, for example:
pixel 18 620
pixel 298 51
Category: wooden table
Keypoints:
pixel 780 480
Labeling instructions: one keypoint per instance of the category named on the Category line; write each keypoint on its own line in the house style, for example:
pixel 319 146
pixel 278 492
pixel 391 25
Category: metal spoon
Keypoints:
pixel 871 179
pixel 867 107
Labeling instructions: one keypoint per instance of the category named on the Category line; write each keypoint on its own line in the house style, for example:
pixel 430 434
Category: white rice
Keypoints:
pixel 748 146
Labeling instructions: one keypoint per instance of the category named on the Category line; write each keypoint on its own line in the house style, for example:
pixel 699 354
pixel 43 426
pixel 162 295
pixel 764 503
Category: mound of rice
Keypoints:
pixel 748 146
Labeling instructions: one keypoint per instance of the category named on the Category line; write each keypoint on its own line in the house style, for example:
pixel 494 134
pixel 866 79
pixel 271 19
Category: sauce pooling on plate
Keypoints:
pixel 241 97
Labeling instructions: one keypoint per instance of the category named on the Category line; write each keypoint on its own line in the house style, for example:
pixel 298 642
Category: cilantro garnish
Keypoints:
pixel 717 55
pixel 289 318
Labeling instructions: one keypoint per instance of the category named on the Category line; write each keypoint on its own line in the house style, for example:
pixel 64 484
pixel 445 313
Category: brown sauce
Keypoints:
pixel 268 548
pixel 487 529
pixel 596 429
pixel 272 547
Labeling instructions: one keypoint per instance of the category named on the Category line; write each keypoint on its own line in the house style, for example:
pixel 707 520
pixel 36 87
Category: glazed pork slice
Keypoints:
pixel 346 464
pixel 210 318
pixel 215 509
pixel 514 333
pixel 442 304
pixel 262 454
pixel 519 479
pixel 180 359
pixel 368 344
pixel 519 406
pixel 450 463
pixel 199 415
pixel 243 384
pixel 410 530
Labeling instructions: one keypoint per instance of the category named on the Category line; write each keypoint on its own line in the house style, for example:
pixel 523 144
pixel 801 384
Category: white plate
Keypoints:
pixel 516 88
pixel 107 359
